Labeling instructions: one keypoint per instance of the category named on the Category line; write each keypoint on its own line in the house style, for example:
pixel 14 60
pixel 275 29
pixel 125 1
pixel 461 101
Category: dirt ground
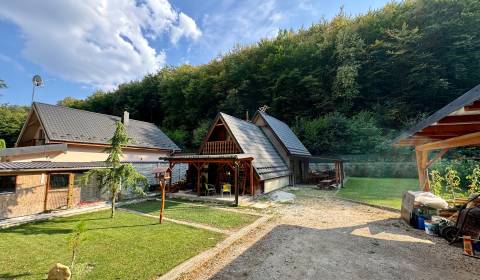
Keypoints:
pixel 325 238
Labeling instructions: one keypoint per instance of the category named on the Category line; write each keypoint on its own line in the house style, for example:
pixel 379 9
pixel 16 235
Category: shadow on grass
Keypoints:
pixel 129 226
pixel 13 275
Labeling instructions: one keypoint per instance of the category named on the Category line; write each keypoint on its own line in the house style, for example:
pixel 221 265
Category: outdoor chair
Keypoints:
pixel 209 188
pixel 226 188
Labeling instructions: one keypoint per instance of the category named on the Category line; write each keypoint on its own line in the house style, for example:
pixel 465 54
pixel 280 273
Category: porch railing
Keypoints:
pixel 220 147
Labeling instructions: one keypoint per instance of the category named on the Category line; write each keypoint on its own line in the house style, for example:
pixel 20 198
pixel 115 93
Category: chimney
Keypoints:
pixel 126 118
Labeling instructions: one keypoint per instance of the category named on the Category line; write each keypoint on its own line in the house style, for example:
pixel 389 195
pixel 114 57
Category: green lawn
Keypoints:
pixel 379 191
pixel 129 247
pixel 202 214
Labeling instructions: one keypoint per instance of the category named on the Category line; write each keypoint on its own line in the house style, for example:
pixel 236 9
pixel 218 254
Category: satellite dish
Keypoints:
pixel 37 81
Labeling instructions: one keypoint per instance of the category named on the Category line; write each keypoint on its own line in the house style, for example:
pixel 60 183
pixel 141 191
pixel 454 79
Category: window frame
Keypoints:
pixel 56 188
pixel 14 187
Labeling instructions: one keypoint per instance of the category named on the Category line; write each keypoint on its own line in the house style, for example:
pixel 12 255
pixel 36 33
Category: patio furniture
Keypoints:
pixel 226 188
pixel 209 188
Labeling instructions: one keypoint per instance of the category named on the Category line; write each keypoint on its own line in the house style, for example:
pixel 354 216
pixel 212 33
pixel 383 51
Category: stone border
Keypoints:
pixel 193 262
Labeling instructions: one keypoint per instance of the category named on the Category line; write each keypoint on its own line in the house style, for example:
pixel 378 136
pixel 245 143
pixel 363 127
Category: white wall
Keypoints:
pixel 76 153
pixel 276 183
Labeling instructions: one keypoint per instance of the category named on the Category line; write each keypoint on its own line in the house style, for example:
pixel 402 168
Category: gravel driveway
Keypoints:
pixel 325 238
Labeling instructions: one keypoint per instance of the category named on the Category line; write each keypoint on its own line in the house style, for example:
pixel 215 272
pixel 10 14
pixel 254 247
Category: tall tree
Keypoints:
pixel 116 176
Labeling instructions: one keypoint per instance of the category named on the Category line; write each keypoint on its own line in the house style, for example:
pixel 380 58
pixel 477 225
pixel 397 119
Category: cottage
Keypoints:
pixel 61 134
pixel 56 145
pixel 252 157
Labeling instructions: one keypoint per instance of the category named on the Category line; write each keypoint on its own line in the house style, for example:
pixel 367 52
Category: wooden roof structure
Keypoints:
pixel 455 125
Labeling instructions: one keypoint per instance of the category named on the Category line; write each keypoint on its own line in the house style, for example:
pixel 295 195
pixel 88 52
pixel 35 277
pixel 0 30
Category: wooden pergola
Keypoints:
pixel 455 125
pixel 233 161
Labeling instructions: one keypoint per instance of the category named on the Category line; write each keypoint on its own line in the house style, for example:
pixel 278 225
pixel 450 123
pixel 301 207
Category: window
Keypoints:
pixel 8 184
pixel 58 181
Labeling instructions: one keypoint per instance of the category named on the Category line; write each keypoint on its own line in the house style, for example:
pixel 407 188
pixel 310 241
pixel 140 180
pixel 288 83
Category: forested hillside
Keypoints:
pixel 347 85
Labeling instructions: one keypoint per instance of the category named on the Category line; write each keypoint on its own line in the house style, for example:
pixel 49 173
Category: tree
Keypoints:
pixel 75 239
pixel 12 119
pixel 3 145
pixel 2 84
pixel 117 176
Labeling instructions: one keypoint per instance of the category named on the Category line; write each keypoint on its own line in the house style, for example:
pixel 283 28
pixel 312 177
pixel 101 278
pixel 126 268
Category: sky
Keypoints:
pixel 78 47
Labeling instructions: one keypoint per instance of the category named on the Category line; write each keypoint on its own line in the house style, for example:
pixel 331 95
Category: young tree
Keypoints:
pixel 453 180
pixel 75 240
pixel 3 145
pixel 117 176
pixel 436 182
pixel 474 179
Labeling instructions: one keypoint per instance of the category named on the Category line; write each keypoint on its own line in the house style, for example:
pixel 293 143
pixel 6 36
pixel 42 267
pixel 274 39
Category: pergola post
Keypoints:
pixel 71 182
pixel 235 180
pixel 422 160
pixel 252 187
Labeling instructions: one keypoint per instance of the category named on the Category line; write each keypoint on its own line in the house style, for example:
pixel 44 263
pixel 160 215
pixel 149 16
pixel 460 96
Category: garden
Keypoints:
pixel 129 246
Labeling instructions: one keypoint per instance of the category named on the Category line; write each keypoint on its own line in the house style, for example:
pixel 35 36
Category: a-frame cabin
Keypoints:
pixel 235 147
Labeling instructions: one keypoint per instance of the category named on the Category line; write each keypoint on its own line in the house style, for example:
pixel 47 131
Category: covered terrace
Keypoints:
pixel 455 125
pixel 235 170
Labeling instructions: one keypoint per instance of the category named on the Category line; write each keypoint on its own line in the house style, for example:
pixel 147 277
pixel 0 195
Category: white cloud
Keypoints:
pixel 186 27
pixel 99 43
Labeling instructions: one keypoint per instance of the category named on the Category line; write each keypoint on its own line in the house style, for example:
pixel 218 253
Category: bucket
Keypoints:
pixel 431 228
pixel 421 223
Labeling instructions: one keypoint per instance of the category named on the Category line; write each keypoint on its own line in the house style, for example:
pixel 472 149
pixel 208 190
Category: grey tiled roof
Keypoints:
pixel 267 162
pixel 73 125
pixel 48 165
pixel 285 135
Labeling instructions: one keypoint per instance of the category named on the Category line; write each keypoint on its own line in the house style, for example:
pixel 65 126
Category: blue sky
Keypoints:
pixel 82 46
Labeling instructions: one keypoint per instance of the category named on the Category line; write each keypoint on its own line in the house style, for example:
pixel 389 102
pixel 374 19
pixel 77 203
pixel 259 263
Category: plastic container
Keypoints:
pixel 421 223
pixel 431 228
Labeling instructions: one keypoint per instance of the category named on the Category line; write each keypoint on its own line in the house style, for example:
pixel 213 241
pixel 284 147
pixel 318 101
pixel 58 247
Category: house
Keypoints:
pixel 256 156
pixel 57 144
pixel 290 148
pixel 61 134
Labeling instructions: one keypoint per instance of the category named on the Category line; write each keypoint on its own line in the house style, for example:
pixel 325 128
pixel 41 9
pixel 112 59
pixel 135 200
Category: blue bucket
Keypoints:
pixel 421 223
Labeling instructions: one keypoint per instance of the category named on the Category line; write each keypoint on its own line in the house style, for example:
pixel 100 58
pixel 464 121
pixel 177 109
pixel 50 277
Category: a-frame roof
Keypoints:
pixel 284 134
pixel 267 162
pixel 64 124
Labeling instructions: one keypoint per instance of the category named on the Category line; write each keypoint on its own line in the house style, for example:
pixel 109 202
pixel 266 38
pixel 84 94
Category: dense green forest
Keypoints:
pixel 347 86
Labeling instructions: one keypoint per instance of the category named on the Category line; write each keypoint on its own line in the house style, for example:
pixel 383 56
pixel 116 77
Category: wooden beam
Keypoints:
pixel 475 106
pixel 47 187
pixel 235 184
pixel 460 141
pixel 71 181
pixel 422 157
pixel 436 157
pixel 252 187
pixel 459 119
pixel 199 172
pixel 459 128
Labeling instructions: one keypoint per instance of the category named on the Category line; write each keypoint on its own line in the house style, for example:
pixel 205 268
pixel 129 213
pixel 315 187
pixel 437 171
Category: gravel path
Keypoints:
pixel 325 238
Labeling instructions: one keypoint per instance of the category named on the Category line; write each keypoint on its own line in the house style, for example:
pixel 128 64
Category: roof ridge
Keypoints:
pixel 239 119
pixel 91 112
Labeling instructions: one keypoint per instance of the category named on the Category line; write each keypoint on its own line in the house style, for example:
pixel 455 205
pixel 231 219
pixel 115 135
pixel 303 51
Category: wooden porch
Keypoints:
pixel 209 173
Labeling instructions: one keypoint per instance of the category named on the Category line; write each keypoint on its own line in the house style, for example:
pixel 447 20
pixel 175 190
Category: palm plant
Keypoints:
pixel 117 176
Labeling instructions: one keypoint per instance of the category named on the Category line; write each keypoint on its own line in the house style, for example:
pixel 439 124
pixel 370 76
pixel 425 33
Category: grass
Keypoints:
pixel 378 191
pixel 202 214
pixel 129 247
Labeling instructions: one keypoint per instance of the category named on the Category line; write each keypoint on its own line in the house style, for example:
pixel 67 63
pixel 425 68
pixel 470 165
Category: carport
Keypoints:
pixel 455 125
